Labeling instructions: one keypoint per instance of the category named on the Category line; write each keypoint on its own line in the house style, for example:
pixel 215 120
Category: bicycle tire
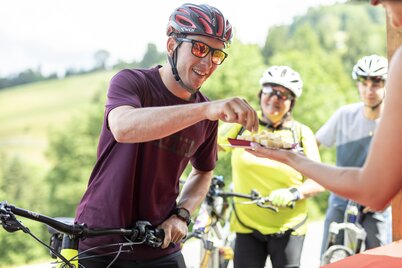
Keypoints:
pixel 336 253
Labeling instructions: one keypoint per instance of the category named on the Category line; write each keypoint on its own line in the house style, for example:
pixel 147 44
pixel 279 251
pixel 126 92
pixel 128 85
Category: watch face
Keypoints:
pixel 183 214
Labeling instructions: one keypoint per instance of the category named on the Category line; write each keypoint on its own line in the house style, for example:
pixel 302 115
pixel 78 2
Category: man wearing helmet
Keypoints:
pixel 350 129
pixel 260 232
pixel 156 122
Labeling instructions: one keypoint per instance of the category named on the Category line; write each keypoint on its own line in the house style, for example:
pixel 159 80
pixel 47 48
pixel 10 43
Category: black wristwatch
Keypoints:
pixel 183 214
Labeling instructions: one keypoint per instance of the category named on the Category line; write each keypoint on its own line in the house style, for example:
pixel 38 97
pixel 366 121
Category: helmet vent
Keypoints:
pixel 205 25
pixel 184 21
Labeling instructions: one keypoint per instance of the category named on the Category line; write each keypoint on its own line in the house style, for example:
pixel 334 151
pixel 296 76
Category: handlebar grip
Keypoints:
pixel 159 234
pixel 155 237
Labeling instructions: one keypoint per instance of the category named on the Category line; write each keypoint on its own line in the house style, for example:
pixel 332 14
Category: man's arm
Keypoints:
pixel 129 124
pixel 192 194
pixel 195 189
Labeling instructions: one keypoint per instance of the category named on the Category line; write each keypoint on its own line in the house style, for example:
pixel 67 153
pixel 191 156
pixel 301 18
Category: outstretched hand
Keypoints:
pixel 234 110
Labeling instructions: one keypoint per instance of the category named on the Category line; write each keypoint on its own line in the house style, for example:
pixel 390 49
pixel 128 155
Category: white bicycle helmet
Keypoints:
pixel 372 65
pixel 284 76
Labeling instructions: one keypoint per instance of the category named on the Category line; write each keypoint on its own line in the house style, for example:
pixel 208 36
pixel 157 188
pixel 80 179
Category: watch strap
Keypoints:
pixel 183 214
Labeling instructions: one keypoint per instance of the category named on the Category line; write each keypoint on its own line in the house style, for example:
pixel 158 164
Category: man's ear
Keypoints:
pixel 170 45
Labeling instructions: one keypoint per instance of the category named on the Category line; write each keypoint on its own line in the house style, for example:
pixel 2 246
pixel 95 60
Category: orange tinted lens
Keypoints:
pixel 200 49
pixel 218 57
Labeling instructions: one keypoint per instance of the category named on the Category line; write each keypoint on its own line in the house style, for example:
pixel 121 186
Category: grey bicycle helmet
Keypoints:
pixel 284 76
pixel 372 65
pixel 200 20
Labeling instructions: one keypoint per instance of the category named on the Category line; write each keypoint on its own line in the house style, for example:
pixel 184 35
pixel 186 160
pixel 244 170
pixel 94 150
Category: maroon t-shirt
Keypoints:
pixel 140 181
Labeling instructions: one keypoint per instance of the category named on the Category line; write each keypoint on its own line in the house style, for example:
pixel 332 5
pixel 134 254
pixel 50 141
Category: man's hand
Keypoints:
pixel 175 230
pixel 283 197
pixel 233 110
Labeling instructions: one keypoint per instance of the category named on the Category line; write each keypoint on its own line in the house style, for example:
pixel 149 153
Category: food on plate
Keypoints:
pixel 267 139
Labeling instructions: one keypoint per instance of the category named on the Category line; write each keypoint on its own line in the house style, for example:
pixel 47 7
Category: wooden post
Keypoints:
pixel 394 40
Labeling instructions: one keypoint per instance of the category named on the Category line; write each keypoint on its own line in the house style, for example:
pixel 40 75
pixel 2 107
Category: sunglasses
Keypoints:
pixel 201 50
pixel 279 94
pixel 376 80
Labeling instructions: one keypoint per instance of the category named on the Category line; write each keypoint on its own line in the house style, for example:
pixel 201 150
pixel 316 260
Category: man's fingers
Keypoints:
pixel 251 122
pixel 237 110
pixel 167 240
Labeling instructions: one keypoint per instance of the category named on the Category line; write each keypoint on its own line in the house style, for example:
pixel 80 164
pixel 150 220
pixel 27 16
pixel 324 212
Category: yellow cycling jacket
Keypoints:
pixel 264 175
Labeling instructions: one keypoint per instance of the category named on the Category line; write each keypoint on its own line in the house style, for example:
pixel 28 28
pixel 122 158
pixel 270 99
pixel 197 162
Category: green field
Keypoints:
pixel 29 112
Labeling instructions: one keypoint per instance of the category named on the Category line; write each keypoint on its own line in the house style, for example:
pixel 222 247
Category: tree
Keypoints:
pixel 20 185
pixel 101 57
pixel 152 56
pixel 72 151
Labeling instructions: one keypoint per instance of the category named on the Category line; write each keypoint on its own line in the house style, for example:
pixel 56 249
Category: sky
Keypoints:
pixel 53 35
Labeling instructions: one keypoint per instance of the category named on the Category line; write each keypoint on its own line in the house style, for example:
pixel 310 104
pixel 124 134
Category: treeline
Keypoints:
pixel 322 46
pixel 152 56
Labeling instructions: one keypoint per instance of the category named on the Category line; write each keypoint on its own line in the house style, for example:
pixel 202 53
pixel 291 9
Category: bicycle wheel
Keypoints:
pixel 336 253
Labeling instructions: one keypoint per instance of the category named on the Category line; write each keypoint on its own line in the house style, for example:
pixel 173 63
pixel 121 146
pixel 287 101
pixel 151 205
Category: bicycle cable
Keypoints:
pixel 27 231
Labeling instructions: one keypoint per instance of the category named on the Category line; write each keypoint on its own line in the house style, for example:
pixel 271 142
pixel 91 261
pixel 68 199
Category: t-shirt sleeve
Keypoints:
pixel 207 154
pixel 124 89
pixel 326 135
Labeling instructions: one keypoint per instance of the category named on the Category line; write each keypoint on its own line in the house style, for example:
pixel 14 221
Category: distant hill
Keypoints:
pixel 28 112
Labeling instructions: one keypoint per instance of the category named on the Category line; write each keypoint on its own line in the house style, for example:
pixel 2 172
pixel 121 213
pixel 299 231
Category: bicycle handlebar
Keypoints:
pixel 142 231
pixel 254 197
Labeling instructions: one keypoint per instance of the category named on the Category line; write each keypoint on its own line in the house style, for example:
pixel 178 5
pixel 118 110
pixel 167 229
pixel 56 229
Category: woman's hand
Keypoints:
pixel 279 155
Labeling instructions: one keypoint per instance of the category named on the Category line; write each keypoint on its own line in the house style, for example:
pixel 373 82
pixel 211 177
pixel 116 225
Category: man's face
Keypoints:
pixel 371 90
pixel 193 70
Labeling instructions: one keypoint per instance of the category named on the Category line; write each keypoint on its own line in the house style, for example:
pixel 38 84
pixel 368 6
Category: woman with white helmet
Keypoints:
pixel 260 232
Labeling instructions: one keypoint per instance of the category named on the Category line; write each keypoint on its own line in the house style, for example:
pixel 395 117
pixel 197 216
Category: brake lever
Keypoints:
pixel 261 203
pixel 155 238
pixel 8 219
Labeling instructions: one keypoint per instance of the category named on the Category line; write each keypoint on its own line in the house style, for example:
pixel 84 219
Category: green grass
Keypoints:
pixel 30 111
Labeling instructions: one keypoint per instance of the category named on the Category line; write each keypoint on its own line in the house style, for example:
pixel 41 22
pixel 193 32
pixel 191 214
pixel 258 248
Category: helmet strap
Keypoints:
pixel 378 104
pixel 173 63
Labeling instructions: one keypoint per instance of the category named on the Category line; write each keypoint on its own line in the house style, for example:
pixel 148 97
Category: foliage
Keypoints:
pixel 25 77
pixel 151 57
pixel 238 75
pixel 20 185
pixel 72 151
pixel 101 57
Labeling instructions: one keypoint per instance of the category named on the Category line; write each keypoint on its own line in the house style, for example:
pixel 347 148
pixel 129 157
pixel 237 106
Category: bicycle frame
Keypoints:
pixel 353 237
pixel 70 233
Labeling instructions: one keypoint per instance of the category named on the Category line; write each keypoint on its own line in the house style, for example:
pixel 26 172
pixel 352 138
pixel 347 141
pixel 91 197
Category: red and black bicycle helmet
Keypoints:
pixel 200 20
